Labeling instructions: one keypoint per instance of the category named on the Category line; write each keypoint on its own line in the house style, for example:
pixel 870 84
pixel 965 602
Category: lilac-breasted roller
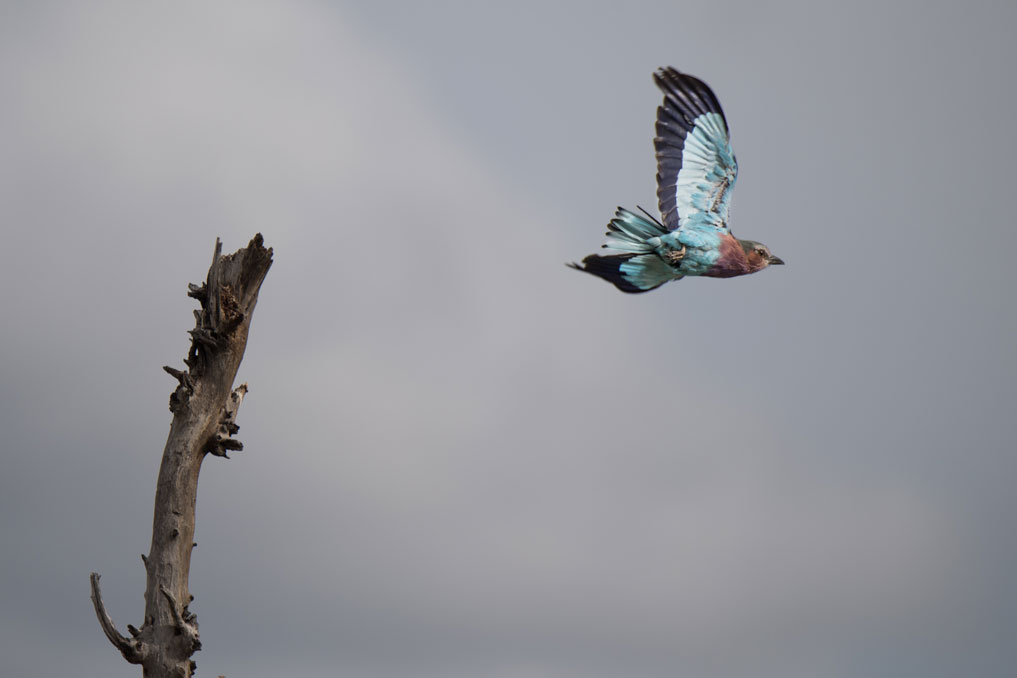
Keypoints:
pixel 696 171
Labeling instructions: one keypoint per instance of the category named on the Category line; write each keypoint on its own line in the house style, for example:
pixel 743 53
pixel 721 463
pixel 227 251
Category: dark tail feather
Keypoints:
pixel 632 273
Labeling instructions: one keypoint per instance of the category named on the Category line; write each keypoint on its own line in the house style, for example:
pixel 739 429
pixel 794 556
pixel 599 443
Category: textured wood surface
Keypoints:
pixel 204 406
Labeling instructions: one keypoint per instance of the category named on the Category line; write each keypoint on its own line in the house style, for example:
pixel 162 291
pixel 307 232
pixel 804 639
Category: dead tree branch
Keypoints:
pixel 204 406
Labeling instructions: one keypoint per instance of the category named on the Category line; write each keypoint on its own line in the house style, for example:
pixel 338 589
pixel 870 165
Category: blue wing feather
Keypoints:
pixel 696 168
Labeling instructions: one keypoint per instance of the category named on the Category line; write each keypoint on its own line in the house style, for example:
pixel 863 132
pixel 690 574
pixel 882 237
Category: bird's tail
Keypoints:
pixel 631 273
pixel 628 232
pixel 639 269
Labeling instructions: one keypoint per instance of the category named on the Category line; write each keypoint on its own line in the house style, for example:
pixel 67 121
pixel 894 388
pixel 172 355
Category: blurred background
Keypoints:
pixel 463 459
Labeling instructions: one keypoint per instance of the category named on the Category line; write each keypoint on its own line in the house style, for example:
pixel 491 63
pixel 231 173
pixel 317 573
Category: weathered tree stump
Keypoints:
pixel 204 407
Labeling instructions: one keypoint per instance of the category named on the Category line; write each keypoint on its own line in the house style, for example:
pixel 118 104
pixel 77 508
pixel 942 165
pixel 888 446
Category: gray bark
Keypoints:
pixel 204 407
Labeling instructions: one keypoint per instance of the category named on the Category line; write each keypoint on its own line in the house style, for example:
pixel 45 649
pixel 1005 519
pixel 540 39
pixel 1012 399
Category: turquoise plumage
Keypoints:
pixel 696 171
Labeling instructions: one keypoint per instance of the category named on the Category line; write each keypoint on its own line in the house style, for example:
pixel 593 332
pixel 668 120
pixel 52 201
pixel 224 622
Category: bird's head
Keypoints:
pixel 758 255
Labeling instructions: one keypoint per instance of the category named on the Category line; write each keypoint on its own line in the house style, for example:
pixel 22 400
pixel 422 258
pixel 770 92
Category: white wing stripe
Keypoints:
pixel 706 173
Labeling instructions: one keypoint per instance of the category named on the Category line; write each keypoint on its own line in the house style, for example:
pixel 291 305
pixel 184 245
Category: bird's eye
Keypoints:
pixel 761 252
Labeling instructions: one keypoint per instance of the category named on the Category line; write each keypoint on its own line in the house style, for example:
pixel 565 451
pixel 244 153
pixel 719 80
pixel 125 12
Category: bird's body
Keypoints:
pixel 696 170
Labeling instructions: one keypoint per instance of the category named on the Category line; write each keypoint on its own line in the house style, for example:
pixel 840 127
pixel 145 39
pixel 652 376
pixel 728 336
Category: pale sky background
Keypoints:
pixel 462 459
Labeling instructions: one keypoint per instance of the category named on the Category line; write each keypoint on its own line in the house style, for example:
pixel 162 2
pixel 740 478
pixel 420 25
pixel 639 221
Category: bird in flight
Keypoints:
pixel 696 171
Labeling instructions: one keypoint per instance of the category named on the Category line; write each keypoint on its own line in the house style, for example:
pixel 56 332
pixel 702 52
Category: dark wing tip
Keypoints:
pixel 668 77
pixel 689 93
pixel 665 73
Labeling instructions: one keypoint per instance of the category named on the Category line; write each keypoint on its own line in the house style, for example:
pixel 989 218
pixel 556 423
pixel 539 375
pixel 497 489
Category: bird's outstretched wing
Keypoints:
pixel 696 168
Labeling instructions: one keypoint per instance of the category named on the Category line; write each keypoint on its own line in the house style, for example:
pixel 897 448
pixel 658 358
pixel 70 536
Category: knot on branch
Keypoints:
pixel 132 649
pixel 184 390
pixel 230 306
pixel 199 292
pixel 185 622
pixel 222 440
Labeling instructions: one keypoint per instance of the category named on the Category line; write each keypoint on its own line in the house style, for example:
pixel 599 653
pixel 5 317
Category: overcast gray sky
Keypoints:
pixel 463 459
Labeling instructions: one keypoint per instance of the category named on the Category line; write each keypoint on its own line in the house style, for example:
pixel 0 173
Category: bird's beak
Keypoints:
pixel 775 261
